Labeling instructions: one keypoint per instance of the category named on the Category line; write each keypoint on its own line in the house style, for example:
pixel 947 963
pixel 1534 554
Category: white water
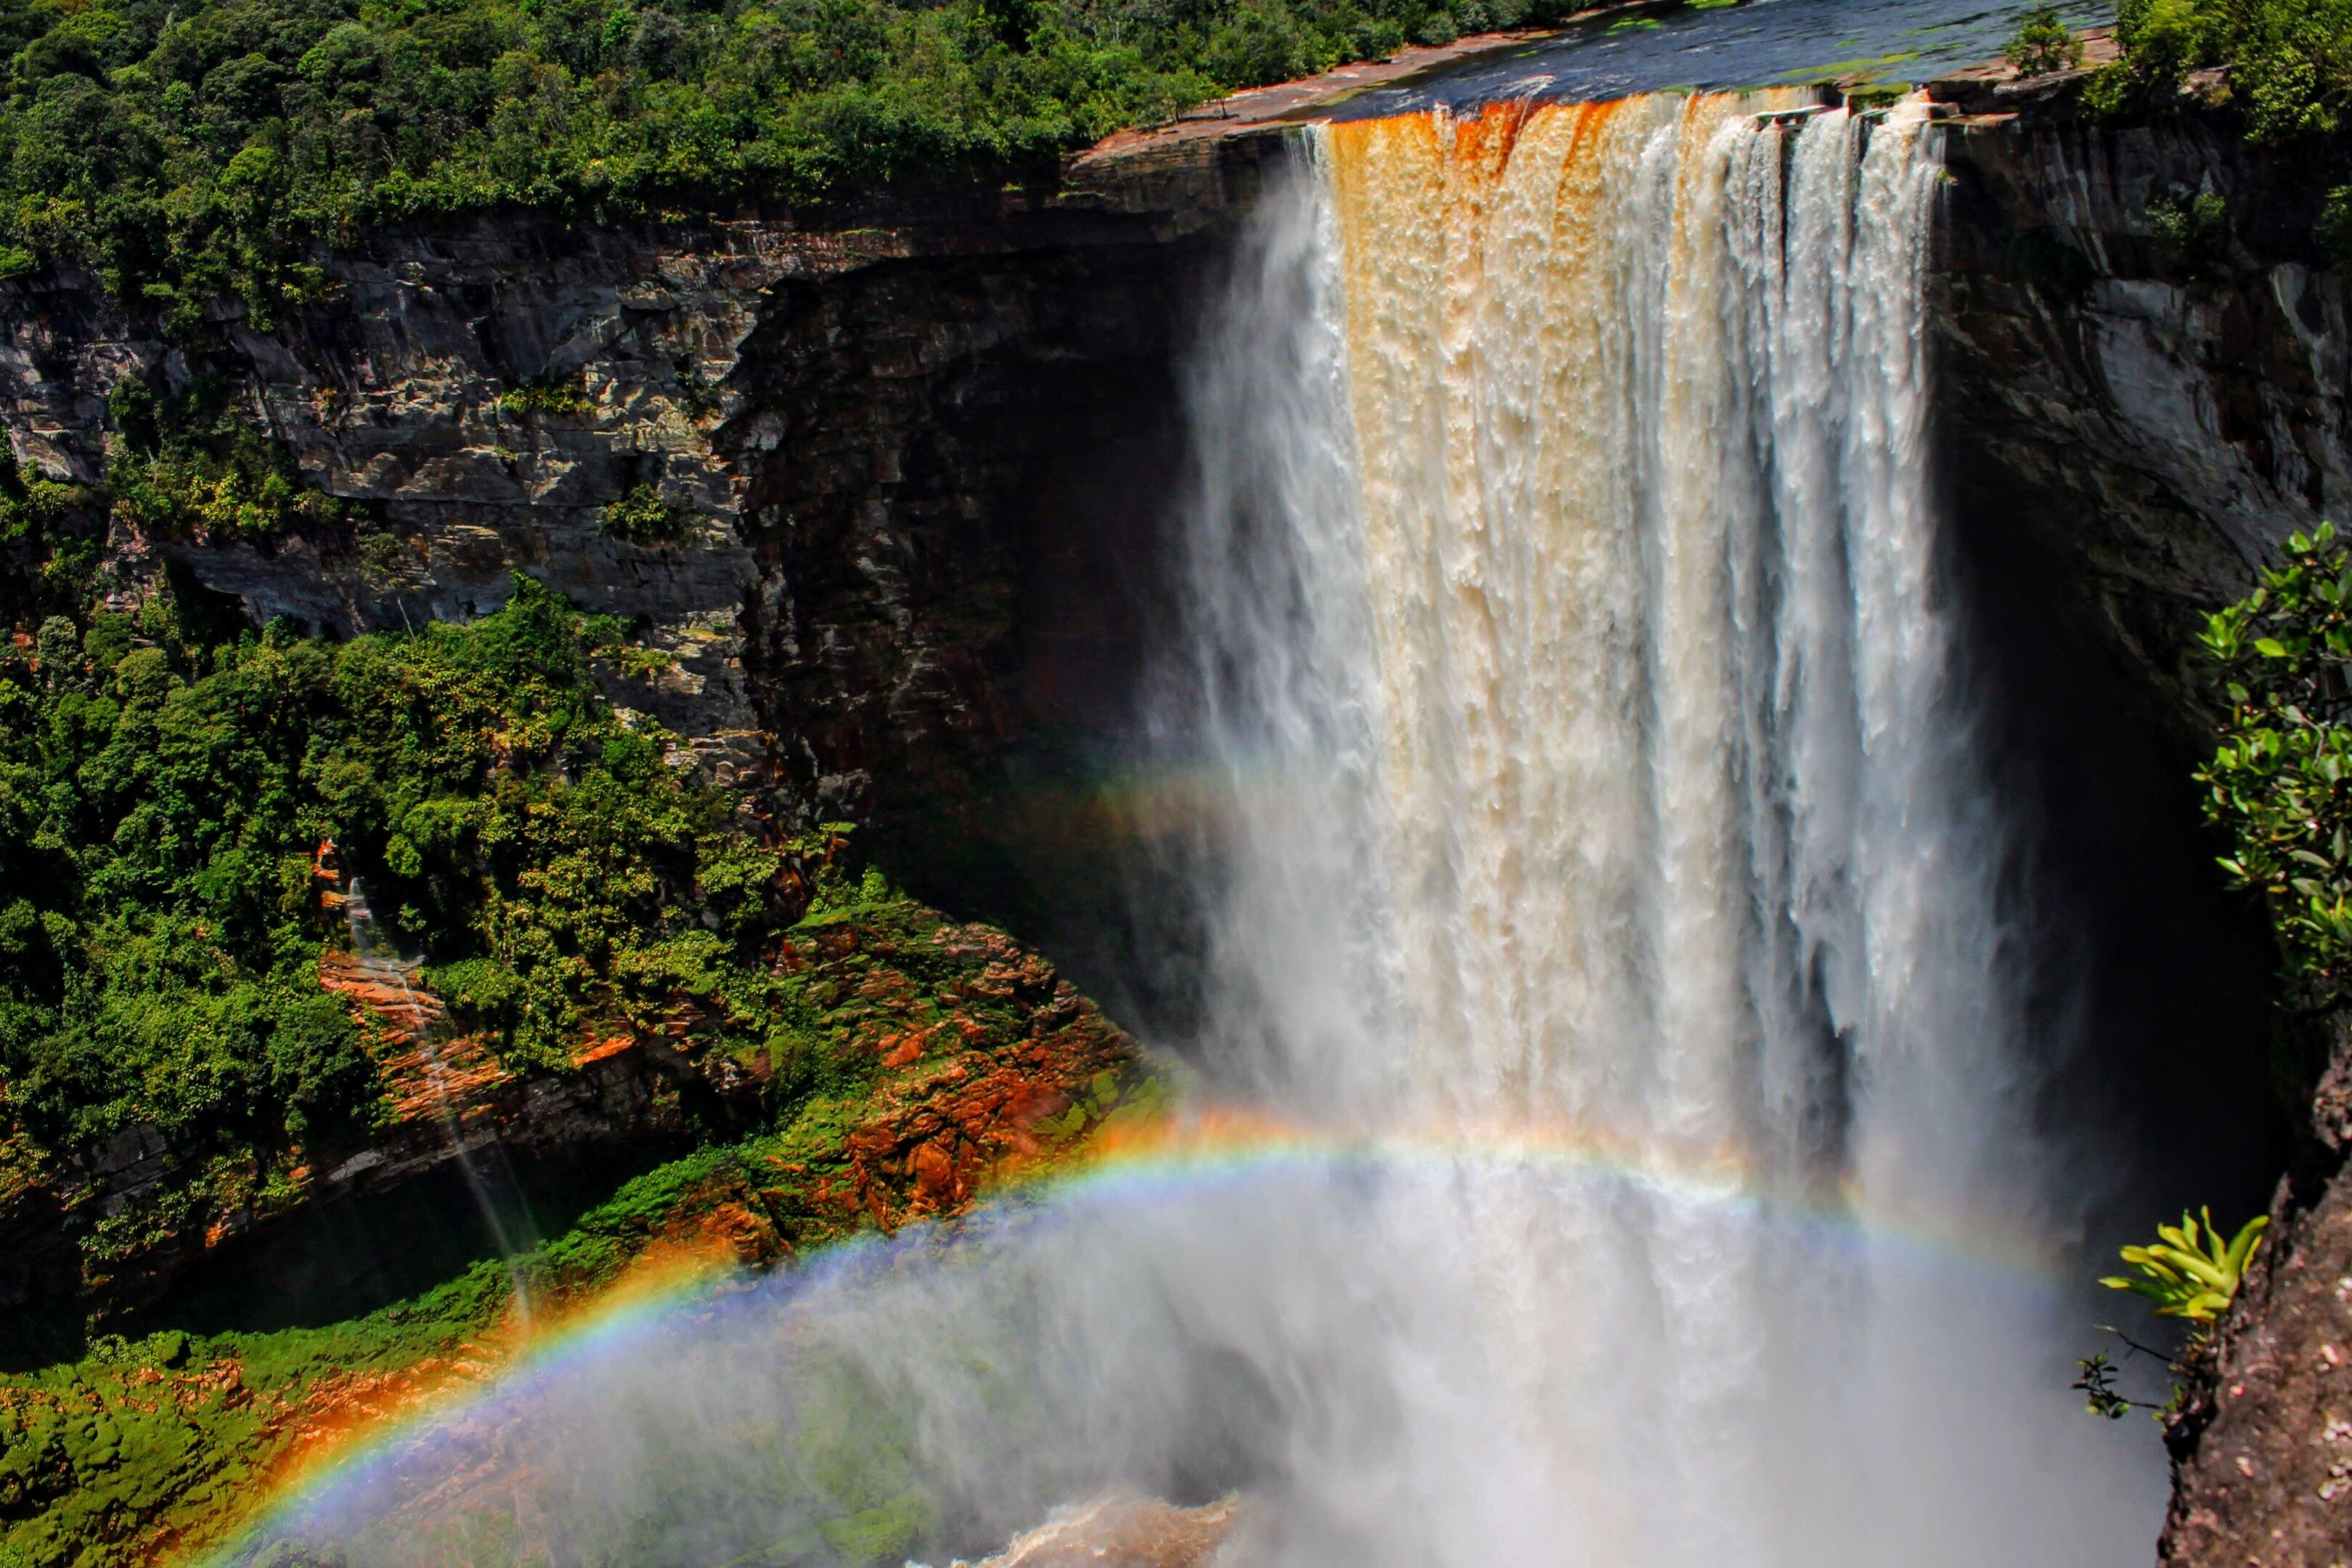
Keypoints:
pixel 1601 844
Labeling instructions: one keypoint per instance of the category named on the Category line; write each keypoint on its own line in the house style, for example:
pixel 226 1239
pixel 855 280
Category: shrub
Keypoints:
pixel 2043 43
pixel 2280 779
pixel 191 465
pixel 2194 226
pixel 545 394
pixel 2332 231
pixel 642 517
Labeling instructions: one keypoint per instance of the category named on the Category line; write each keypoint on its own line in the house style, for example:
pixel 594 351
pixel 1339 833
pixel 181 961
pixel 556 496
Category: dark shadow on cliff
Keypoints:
pixel 2154 979
pixel 348 1255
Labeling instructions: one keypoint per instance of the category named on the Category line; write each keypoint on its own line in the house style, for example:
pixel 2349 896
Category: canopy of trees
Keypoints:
pixel 191 149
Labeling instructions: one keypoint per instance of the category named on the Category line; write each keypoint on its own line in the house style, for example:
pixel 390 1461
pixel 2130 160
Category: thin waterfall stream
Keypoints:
pixel 1615 961
pixel 377 957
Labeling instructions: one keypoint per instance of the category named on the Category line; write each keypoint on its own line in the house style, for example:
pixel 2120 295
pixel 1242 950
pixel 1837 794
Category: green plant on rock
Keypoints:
pixel 2194 226
pixel 2043 44
pixel 2281 778
pixel 2190 1272
pixel 545 394
pixel 2332 232
pixel 191 465
pixel 642 517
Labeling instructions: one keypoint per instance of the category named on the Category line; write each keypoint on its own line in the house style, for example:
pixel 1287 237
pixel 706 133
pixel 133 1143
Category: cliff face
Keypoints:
pixel 2132 421
pixel 2140 421
pixel 871 427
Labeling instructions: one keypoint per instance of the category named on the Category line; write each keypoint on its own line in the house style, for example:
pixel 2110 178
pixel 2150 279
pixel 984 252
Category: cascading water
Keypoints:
pixel 1605 894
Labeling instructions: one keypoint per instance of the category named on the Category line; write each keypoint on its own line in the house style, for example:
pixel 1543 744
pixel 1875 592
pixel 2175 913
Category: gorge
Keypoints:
pixel 1615 680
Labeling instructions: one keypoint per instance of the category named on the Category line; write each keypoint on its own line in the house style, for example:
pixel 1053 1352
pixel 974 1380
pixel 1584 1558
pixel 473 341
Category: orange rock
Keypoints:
pixel 934 1170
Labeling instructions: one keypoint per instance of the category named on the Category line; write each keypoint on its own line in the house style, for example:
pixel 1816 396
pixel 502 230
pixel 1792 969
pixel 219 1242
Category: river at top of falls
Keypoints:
pixel 1605 905
pixel 1757 43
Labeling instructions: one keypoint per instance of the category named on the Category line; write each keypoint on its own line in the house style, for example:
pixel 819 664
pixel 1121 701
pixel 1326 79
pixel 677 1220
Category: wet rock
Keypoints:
pixel 2130 432
pixel 1124 1531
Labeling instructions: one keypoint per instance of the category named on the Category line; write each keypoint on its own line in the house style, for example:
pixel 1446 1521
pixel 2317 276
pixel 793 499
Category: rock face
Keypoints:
pixel 2131 426
pixel 1125 1531
pixel 872 429
pixel 2265 1449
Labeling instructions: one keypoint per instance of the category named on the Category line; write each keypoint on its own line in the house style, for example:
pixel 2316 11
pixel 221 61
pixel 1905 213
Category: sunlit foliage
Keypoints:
pixel 2289 61
pixel 2280 779
pixel 161 808
pixel 190 151
pixel 2190 1271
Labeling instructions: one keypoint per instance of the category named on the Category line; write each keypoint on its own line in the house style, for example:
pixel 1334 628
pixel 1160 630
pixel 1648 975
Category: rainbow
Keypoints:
pixel 1167 1161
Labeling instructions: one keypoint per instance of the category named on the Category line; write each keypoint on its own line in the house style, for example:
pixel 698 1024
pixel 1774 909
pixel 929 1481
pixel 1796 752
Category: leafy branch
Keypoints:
pixel 2280 779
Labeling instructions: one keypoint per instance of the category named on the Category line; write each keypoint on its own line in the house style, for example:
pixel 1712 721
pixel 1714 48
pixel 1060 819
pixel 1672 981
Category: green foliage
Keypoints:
pixel 160 927
pixel 174 1436
pixel 2190 1272
pixel 200 150
pixel 2043 43
pixel 642 517
pixel 2096 1383
pixel 2280 779
pixel 544 394
pixel 2289 61
pixel 2334 230
pixel 2194 226
pixel 191 466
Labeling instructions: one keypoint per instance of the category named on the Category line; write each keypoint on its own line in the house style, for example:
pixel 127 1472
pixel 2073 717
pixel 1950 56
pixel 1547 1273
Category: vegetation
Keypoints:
pixel 2190 1272
pixel 2194 226
pixel 2279 784
pixel 192 466
pixel 160 803
pixel 193 152
pixel 2280 779
pixel 2289 61
pixel 642 517
pixel 544 394
pixel 2043 43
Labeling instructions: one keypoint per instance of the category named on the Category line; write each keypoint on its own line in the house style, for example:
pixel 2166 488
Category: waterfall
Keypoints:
pixel 1569 633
